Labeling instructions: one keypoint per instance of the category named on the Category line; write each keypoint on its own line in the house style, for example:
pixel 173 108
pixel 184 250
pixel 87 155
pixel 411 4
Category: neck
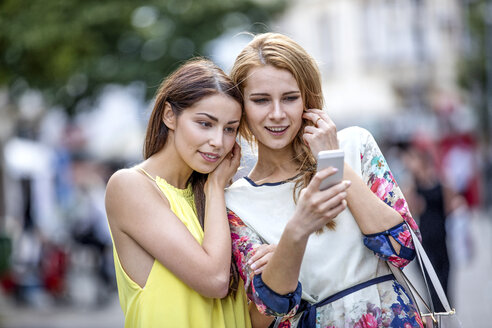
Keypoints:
pixel 168 164
pixel 274 165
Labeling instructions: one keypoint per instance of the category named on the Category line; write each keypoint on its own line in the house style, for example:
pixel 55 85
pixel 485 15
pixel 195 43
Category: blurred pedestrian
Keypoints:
pixel 430 207
pixel 172 246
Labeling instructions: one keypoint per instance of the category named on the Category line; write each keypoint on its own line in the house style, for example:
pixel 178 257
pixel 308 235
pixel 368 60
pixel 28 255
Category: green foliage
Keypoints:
pixel 473 65
pixel 69 49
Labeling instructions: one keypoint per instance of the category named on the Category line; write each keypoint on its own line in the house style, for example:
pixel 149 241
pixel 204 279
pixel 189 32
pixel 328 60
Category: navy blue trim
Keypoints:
pixel 388 240
pixel 251 182
pixel 308 317
pixel 407 253
pixel 277 303
pixel 386 232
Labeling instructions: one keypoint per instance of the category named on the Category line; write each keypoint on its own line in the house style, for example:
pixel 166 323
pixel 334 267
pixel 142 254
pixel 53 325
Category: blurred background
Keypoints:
pixel 76 85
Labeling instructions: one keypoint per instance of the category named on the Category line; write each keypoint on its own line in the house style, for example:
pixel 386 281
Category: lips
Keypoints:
pixel 276 130
pixel 210 157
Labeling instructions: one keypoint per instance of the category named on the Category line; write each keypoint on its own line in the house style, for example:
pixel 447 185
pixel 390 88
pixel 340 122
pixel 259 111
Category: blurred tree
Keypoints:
pixel 69 49
pixel 475 71
pixel 476 76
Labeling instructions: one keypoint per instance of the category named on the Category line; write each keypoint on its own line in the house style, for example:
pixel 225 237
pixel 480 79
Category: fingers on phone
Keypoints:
pixel 321 175
pixel 333 212
pixel 333 200
pixel 337 189
pixel 346 184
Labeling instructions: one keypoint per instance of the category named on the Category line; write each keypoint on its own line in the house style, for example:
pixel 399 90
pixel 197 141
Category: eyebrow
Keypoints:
pixel 267 94
pixel 215 119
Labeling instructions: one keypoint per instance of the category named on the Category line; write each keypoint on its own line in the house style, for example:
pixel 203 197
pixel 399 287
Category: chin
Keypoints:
pixel 278 145
pixel 205 169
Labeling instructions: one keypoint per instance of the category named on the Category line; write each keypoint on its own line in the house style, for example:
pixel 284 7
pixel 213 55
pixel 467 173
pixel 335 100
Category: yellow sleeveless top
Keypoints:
pixel 166 301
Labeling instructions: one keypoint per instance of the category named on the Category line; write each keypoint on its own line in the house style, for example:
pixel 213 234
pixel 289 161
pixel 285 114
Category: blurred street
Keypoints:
pixel 109 316
pixel 471 291
pixel 470 294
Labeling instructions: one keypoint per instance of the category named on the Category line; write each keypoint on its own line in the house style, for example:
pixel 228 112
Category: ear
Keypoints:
pixel 169 118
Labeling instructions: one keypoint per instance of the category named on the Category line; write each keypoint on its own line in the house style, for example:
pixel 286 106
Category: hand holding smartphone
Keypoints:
pixel 334 158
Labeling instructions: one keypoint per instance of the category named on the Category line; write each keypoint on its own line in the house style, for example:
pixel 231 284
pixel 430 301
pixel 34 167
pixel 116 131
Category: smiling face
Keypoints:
pixel 206 132
pixel 273 107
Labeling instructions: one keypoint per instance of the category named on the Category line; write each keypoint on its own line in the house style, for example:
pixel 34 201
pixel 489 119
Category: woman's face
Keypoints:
pixel 206 132
pixel 273 106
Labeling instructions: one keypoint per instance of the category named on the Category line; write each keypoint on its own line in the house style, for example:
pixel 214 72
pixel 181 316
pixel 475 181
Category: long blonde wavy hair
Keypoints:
pixel 282 52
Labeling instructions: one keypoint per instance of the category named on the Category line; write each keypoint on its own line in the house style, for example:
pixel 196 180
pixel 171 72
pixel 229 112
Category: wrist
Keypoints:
pixel 295 233
pixel 212 187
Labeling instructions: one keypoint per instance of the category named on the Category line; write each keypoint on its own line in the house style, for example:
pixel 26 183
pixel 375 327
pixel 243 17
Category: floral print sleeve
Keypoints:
pixel 377 175
pixel 244 243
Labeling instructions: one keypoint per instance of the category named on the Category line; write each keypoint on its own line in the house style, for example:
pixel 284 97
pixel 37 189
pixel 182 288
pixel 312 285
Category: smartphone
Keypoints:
pixel 334 158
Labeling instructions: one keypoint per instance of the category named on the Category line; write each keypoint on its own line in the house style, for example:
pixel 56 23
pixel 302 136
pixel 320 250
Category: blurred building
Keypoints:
pixel 378 57
pixel 392 67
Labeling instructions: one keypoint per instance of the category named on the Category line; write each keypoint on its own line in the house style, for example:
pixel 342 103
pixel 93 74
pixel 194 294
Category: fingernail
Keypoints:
pixel 348 183
pixel 249 262
pixel 253 266
pixel 335 169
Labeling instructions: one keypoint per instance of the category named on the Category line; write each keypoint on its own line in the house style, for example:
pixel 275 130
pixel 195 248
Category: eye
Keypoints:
pixel 230 129
pixel 291 98
pixel 259 100
pixel 205 124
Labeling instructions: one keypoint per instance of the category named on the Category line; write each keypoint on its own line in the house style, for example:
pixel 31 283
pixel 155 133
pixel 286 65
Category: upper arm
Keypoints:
pixel 395 244
pixel 137 209
pixel 378 177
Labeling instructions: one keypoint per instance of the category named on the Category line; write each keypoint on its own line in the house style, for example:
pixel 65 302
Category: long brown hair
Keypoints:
pixel 190 83
pixel 282 52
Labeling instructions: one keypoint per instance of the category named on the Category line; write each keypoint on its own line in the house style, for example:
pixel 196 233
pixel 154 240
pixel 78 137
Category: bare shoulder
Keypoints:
pixel 124 177
pixel 121 182
pixel 128 192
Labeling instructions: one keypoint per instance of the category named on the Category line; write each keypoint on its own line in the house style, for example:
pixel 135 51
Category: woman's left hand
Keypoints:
pixel 262 255
pixel 322 135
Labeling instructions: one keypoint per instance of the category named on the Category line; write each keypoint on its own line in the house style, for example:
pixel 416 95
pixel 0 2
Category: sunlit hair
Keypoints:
pixel 282 52
pixel 190 83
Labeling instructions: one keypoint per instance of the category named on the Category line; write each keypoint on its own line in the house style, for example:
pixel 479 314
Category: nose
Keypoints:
pixel 216 138
pixel 277 112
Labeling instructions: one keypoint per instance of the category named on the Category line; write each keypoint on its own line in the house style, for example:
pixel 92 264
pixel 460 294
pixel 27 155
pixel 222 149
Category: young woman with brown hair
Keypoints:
pixel 167 215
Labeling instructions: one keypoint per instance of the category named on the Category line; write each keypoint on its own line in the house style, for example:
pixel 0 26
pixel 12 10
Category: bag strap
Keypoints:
pixel 426 263
pixel 425 266
pixel 424 278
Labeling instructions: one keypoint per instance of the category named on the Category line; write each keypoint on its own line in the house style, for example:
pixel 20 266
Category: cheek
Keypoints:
pixel 296 116
pixel 252 114
pixel 229 141
pixel 190 129
pixel 186 136
pixel 252 121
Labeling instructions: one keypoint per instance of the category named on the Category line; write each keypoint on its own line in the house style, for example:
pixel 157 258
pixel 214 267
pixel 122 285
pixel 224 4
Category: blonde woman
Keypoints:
pixel 328 269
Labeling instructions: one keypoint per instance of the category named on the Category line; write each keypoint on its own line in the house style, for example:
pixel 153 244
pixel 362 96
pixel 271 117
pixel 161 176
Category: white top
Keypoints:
pixel 333 260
